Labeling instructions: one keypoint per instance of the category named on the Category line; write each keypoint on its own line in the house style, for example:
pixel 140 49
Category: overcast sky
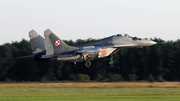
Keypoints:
pixel 83 19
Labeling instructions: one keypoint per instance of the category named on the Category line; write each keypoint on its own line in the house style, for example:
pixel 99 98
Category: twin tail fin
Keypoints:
pixel 49 46
pixel 55 45
pixel 36 42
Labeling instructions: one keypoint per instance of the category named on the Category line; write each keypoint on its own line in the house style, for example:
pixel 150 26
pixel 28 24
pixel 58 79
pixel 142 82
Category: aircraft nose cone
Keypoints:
pixel 149 43
pixel 153 43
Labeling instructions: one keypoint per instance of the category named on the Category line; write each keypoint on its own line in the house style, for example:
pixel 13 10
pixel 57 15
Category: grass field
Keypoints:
pixel 90 92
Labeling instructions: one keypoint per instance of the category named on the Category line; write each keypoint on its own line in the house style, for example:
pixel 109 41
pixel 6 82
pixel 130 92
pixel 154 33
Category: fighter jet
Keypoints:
pixel 52 48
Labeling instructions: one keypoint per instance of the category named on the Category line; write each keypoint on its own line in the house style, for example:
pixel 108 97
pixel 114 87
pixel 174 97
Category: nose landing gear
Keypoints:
pixel 111 60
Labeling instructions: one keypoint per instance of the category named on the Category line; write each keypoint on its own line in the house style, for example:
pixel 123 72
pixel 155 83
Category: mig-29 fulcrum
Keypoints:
pixel 53 48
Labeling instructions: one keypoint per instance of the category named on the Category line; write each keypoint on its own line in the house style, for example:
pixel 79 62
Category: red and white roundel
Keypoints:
pixel 57 42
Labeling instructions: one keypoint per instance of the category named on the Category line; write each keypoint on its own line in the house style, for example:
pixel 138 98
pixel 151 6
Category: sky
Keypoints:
pixel 83 19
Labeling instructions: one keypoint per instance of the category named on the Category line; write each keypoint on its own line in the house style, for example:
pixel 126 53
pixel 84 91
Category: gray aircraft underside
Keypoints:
pixel 53 48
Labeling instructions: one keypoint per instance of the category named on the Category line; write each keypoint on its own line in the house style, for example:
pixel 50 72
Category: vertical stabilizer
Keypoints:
pixel 36 42
pixel 58 45
pixel 48 45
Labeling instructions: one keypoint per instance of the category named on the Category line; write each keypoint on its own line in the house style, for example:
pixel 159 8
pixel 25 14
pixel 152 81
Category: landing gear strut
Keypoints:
pixel 111 60
pixel 73 64
pixel 87 63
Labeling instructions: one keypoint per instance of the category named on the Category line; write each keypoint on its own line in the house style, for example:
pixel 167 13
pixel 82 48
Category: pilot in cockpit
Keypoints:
pixel 119 35
pixel 125 35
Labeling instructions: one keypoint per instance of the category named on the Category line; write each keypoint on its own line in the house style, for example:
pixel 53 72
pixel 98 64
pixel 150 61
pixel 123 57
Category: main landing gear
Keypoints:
pixel 73 64
pixel 87 64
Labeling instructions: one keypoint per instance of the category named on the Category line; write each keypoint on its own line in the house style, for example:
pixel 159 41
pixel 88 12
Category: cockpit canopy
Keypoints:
pixel 128 36
pixel 123 35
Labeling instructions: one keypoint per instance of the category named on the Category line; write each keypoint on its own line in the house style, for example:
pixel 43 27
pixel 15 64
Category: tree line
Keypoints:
pixel 160 62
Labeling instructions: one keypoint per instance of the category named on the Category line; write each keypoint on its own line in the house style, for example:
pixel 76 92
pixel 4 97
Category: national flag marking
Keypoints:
pixel 57 42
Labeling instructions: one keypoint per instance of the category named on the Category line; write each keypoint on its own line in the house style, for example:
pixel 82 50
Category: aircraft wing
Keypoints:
pixel 88 50
pixel 119 45
pixel 98 48
pixel 124 45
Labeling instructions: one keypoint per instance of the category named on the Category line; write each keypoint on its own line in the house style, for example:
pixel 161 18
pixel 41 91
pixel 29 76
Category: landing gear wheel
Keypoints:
pixel 73 64
pixel 87 63
pixel 111 62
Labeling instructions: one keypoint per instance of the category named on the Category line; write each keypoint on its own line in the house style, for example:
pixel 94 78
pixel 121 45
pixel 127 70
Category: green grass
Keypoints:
pixel 88 93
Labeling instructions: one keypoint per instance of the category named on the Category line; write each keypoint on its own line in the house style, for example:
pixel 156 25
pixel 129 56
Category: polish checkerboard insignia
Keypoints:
pixel 57 42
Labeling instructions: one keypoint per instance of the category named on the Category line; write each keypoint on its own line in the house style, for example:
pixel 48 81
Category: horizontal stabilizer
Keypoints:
pixel 48 56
